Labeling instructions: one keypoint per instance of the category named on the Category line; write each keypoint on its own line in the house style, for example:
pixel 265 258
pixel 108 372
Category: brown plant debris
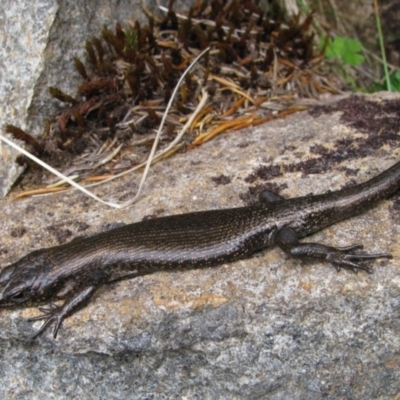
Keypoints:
pixel 260 64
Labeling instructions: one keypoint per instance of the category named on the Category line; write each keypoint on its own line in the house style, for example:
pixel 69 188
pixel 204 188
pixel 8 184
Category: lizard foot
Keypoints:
pixel 344 257
pixel 49 314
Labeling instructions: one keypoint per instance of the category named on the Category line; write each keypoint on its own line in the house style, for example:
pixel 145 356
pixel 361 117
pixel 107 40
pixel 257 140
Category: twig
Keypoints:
pixel 55 172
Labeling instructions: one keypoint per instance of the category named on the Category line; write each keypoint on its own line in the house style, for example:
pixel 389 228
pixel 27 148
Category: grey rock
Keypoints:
pixel 268 327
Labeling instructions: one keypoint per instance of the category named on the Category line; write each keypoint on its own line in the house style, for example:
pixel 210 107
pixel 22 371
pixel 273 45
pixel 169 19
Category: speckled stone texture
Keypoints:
pixel 268 327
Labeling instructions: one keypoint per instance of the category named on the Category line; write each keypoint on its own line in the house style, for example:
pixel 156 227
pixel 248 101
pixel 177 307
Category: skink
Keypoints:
pixel 74 271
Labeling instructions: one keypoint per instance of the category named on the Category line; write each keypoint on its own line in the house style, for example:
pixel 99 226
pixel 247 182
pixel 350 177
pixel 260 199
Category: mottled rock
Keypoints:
pixel 266 327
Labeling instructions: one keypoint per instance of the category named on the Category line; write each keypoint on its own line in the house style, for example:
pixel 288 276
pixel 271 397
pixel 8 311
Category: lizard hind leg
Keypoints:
pixel 339 257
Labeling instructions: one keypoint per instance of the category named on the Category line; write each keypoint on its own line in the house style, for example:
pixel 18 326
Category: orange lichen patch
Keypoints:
pixel 306 285
pixel 132 307
pixel 393 364
pixel 166 294
pixel 30 312
pixel 176 299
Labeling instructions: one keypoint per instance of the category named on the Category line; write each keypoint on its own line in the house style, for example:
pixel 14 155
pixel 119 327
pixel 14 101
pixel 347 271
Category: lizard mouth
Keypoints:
pixel 5 302
pixel 12 293
pixel 2 288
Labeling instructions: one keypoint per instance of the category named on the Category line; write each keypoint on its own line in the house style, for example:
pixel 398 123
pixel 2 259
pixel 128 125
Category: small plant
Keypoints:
pixel 394 79
pixel 349 51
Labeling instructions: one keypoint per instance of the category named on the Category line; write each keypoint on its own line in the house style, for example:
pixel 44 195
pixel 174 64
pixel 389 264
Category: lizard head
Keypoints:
pixel 25 281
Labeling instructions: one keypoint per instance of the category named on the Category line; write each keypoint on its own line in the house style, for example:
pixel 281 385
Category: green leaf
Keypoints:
pixel 346 49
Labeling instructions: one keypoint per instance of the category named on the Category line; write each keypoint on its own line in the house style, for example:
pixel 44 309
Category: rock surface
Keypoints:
pixel 268 327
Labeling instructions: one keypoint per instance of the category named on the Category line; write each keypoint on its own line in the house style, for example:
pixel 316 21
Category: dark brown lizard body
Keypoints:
pixel 202 239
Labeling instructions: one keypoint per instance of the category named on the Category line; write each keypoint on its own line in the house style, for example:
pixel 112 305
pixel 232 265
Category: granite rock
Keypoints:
pixel 268 327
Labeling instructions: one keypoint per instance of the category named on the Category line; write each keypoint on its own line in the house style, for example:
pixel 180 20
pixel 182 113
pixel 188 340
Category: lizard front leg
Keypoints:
pixel 57 314
pixel 77 294
pixel 339 257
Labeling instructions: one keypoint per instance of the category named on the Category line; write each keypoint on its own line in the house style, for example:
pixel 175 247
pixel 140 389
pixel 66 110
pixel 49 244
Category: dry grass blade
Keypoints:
pixel 222 128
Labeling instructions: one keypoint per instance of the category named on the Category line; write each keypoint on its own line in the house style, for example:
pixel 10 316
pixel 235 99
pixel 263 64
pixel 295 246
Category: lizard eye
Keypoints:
pixel 19 297
pixel 18 291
